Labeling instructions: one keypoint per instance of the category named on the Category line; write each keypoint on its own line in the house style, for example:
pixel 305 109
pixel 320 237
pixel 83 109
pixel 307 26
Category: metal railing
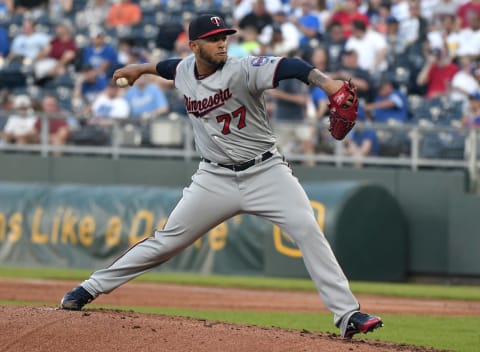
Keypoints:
pixel 414 159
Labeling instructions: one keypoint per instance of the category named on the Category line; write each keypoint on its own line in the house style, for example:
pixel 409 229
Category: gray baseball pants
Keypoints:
pixel 267 189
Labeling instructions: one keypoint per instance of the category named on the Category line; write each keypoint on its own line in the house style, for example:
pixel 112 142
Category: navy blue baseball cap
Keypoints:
pixel 207 25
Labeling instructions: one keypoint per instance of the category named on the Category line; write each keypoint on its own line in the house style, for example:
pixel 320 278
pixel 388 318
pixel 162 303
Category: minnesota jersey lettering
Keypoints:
pixel 199 108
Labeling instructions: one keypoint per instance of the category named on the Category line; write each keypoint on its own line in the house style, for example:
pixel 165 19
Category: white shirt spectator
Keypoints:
pixel 29 45
pixel 400 9
pixel 368 48
pixel 290 42
pixel 19 125
pixel 22 123
pixel 468 42
pixel 109 105
pixel 466 82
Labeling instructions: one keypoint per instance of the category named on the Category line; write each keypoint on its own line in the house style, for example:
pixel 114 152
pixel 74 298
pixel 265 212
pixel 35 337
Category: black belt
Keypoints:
pixel 242 166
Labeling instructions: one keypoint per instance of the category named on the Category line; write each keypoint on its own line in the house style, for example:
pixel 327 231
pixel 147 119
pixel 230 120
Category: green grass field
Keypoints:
pixel 440 332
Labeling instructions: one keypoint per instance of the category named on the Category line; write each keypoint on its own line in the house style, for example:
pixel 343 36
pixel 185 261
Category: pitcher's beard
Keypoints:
pixel 217 63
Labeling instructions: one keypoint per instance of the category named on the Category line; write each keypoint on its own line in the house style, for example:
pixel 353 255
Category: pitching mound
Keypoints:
pixel 53 330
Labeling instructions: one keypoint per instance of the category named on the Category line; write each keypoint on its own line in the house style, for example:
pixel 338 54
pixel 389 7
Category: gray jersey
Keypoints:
pixel 227 108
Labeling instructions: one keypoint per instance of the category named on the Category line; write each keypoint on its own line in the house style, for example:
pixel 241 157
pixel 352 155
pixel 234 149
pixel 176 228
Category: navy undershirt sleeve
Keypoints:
pixel 290 67
pixel 167 68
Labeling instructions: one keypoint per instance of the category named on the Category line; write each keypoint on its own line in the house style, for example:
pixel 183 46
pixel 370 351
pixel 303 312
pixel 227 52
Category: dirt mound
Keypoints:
pixel 53 330
pixel 46 328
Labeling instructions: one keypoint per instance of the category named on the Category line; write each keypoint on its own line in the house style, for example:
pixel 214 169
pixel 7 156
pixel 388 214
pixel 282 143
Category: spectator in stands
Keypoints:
pixel 53 60
pixel 281 37
pixel 390 104
pixel 4 43
pixel 378 13
pixel 60 8
pixel 258 17
pixel 109 105
pixel 323 143
pixel 444 8
pixel 437 73
pixel 6 8
pixel 28 44
pixel 347 15
pixel 335 42
pixel 146 100
pixel 94 14
pixel 100 54
pixel 414 29
pixel 319 59
pixel 124 13
pixel 370 46
pixel 181 41
pixel 88 85
pixel 446 35
pixel 464 82
pixel 241 8
pixel 34 7
pixel 307 21
pixel 396 44
pixel 20 126
pixel 399 9
pixel 465 10
pixel 290 100
pixel 350 69
pixel 471 117
pixel 362 141
pixel 58 128
pixel 469 37
pixel 322 10
pixel 249 41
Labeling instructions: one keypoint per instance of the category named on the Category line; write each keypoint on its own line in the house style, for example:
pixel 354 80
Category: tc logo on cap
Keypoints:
pixel 208 25
pixel 217 21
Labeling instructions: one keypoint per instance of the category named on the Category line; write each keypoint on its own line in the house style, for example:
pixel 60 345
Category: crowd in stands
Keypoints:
pixel 413 61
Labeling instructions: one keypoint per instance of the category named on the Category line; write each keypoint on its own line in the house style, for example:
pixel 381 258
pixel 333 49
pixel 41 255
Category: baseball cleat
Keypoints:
pixel 76 299
pixel 361 322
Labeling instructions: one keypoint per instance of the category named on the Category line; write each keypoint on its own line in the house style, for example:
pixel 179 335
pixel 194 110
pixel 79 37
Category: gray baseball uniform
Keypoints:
pixel 231 127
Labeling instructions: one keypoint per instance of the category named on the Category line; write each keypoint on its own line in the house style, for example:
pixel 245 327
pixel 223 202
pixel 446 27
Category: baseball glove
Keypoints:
pixel 342 115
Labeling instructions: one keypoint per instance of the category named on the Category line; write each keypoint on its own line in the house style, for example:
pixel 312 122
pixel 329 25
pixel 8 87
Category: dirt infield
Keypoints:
pixel 46 328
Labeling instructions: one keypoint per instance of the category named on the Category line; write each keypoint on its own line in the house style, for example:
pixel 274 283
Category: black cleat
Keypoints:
pixel 76 299
pixel 360 322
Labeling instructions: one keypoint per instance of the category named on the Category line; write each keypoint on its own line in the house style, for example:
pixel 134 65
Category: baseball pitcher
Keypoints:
pixel 241 170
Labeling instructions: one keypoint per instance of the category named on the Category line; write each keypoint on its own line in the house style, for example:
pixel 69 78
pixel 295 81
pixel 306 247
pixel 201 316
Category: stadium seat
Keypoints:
pixel 167 132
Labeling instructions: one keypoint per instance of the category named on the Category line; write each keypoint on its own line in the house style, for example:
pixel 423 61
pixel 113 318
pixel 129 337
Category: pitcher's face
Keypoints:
pixel 212 50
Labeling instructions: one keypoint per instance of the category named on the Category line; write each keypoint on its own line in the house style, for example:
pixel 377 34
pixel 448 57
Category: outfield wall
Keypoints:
pixel 441 218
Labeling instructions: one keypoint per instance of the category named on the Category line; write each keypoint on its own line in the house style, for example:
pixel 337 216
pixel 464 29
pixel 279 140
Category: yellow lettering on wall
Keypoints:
pixel 281 240
pixel 114 230
pixel 3 226
pixel 37 236
pixel 237 219
pixel 218 236
pixel 15 225
pixel 198 243
pixel 161 224
pixel 68 228
pixel 57 219
pixel 142 216
pixel 86 229
pixel 319 209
